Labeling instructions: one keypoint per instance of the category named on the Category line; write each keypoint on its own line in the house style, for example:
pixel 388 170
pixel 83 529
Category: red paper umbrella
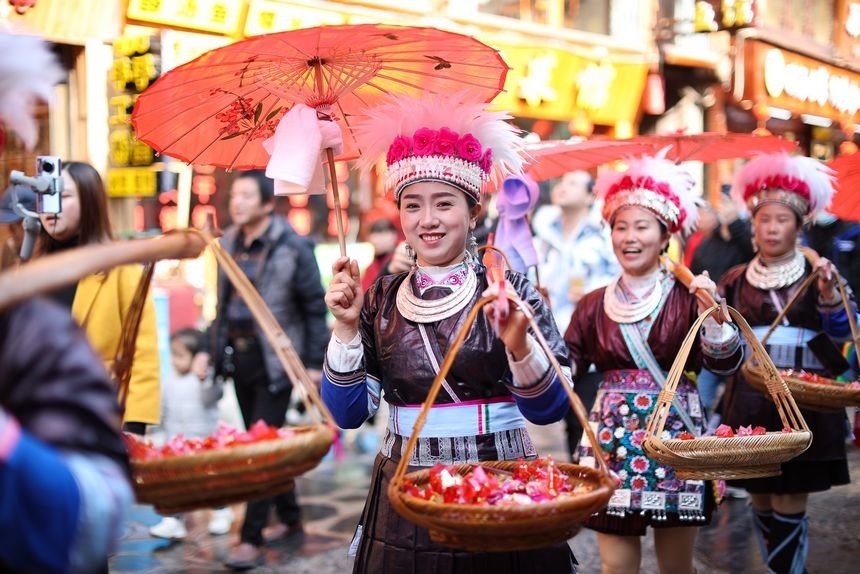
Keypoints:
pixel 217 110
pixel 846 201
pixel 712 146
pixel 554 158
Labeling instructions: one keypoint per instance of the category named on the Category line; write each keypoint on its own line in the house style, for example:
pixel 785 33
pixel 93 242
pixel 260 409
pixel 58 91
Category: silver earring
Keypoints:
pixel 473 244
pixel 410 253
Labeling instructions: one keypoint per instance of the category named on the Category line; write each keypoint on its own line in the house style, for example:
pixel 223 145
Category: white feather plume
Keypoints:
pixel 377 127
pixel 817 176
pixel 661 170
pixel 28 72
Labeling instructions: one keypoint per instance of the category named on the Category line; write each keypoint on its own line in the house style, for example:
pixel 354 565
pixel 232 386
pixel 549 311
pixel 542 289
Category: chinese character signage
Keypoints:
pixel 267 16
pixel 218 16
pixel 714 15
pixel 798 83
pixel 136 64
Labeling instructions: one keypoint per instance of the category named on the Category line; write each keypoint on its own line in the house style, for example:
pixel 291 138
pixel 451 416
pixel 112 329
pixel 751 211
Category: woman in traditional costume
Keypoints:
pixel 387 344
pixel 782 193
pixel 631 331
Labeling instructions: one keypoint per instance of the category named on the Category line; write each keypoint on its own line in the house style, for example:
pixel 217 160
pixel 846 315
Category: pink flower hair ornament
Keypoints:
pixel 655 184
pixel 452 139
pixel 801 183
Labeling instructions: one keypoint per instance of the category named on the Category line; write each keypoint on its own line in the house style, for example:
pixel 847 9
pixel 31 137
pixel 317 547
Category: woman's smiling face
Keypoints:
pixel 637 239
pixel 436 220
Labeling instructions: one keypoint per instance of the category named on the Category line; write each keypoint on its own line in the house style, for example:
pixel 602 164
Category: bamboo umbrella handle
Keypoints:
pixel 338 216
pixel 685 276
pixel 52 272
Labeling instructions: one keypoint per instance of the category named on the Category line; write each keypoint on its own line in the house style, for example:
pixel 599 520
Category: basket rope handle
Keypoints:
pixel 448 361
pixel 124 358
pixel 788 410
pixel 275 335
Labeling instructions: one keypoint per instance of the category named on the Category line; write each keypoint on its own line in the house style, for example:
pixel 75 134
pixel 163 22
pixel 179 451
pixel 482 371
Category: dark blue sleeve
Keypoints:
pixel 39 508
pixel 346 397
pixel 549 406
pixel 836 324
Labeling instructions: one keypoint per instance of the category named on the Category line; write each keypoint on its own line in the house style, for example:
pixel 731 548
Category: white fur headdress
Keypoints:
pixel 453 139
pixel 802 183
pixel 654 183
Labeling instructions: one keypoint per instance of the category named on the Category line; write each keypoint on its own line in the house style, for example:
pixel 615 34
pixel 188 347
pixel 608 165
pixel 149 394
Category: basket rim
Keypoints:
pixel 215 456
pixel 603 486
pixel 824 388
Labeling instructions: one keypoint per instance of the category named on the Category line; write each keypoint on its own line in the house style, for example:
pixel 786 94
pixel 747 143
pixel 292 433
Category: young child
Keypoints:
pixel 190 408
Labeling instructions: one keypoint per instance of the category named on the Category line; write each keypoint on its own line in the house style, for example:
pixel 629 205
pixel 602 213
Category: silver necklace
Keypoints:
pixel 420 310
pixel 777 274
pixel 622 312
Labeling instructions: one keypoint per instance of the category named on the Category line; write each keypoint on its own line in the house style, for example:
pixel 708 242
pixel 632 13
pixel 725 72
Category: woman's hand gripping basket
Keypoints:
pixel 485 527
pixel 811 391
pixel 240 471
pixel 715 457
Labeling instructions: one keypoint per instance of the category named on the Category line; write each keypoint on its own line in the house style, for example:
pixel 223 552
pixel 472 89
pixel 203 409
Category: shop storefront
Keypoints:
pixel 794 94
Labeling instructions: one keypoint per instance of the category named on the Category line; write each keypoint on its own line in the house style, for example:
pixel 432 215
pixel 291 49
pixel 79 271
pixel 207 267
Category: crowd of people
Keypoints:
pixel 613 316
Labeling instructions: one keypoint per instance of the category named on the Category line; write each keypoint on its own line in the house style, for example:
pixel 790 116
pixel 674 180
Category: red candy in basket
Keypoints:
pixel 819 379
pixel 725 431
pixel 225 437
pixel 531 482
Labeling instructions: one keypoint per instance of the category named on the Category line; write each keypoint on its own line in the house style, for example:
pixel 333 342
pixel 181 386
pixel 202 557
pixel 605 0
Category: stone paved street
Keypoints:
pixel 332 496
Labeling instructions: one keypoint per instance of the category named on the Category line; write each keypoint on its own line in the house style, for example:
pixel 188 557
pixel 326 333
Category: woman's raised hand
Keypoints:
pixel 344 298
pixel 510 322
pixel 706 284
pixel 826 280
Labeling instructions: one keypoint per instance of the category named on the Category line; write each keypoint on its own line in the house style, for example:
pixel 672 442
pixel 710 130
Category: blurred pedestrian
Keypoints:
pixel 383 233
pixel 729 243
pixel 15 201
pixel 573 244
pixel 64 486
pixel 282 266
pixel 576 257
pixel 189 410
pixel 100 302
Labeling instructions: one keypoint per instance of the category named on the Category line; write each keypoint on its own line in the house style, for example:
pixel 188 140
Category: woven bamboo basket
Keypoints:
pixel 203 479
pixel 832 395
pixel 501 528
pixel 214 478
pixel 707 458
pixel 244 472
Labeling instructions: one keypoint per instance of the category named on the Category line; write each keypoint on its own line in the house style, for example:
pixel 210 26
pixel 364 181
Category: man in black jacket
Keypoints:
pixel 282 266
pixel 729 244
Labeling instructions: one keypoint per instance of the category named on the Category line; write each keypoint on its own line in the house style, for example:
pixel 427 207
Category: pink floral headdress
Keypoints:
pixel 654 183
pixel 802 183
pixel 452 139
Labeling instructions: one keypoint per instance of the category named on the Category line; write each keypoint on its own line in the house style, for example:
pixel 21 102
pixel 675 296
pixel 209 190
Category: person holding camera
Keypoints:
pixel 100 302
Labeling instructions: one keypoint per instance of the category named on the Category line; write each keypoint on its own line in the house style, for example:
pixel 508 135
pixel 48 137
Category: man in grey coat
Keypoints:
pixel 282 266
